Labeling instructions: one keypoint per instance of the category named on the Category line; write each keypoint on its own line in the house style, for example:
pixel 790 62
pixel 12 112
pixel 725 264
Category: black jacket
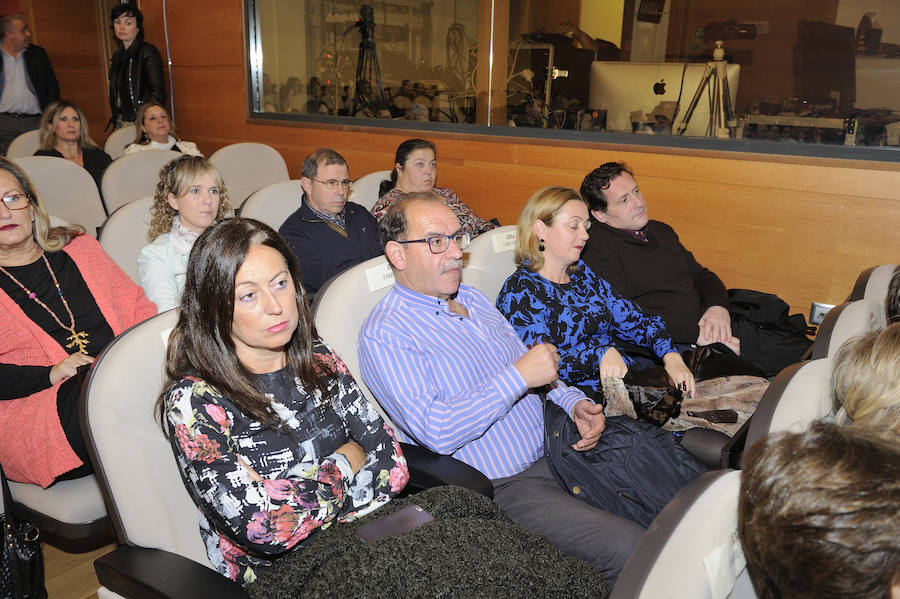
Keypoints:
pixel 135 77
pixel 41 75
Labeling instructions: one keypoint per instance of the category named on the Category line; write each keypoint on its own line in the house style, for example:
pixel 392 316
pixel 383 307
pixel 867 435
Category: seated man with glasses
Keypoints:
pixel 453 375
pixel 327 233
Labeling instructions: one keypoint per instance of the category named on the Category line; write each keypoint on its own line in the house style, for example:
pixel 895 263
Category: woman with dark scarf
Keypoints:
pixel 135 70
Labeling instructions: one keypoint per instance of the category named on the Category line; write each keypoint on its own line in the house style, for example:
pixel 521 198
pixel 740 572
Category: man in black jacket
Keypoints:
pixel 27 81
pixel 644 261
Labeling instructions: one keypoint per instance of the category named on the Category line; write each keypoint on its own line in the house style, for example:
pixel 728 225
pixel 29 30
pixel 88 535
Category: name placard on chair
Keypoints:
pixel 504 242
pixel 380 277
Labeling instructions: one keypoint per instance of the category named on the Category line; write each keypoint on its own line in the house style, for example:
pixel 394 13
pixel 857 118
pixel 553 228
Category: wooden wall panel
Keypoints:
pixel 799 227
pixel 70 30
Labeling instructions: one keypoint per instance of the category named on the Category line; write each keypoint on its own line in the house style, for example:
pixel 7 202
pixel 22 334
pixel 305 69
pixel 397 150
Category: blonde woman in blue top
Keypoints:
pixel 554 297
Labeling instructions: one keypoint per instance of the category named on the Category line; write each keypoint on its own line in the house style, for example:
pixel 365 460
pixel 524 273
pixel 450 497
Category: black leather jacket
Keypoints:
pixel 135 77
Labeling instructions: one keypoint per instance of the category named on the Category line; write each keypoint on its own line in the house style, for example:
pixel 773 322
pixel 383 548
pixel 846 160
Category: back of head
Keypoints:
pixel 866 378
pixel 403 151
pixel 322 157
pixel 542 205
pixel 892 302
pixel 819 513
pixel 598 180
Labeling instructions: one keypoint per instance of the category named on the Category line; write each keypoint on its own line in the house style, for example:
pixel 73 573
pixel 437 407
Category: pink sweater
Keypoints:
pixel 33 446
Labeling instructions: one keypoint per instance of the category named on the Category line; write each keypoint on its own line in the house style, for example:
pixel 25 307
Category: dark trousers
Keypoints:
pixel 11 127
pixel 534 500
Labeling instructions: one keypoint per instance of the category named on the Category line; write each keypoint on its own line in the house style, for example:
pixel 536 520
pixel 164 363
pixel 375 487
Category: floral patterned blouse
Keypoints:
pixel 303 486
pixel 468 220
pixel 582 318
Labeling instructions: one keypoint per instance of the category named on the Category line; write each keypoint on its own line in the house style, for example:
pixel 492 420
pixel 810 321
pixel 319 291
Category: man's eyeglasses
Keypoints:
pixel 439 243
pixel 332 184
pixel 16 201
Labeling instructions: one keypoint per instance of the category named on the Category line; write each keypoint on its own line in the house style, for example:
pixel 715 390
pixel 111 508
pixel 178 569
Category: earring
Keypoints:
pixel 541 246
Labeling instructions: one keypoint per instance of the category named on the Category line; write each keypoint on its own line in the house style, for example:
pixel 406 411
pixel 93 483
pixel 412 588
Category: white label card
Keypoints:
pixel 380 277
pixel 504 242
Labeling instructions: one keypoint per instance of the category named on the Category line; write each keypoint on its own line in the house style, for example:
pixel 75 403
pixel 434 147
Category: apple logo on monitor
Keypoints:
pixel 659 88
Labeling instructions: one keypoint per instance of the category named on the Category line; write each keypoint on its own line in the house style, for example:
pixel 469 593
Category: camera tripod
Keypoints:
pixel 722 123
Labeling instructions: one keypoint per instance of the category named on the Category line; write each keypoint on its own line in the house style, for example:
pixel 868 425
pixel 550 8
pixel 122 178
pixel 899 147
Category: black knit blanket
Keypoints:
pixel 471 549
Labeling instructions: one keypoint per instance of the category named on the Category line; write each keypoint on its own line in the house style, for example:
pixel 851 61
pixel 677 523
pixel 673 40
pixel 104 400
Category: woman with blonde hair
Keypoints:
pixel 190 196
pixel 865 382
pixel 64 134
pixel 554 297
pixel 154 130
pixel 62 299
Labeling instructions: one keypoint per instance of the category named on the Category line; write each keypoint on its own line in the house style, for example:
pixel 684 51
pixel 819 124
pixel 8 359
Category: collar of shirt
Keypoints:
pixel 337 219
pixel 429 303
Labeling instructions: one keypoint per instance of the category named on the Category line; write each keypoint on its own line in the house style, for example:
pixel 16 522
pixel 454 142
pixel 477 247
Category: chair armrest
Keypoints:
pixel 157 574
pixel 734 449
pixel 706 445
pixel 429 469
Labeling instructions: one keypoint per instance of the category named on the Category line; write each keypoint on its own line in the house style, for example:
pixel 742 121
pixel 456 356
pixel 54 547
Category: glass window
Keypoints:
pixel 819 72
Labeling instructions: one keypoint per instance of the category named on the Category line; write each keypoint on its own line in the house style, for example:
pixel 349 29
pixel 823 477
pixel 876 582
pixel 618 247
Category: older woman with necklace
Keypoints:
pixel 62 299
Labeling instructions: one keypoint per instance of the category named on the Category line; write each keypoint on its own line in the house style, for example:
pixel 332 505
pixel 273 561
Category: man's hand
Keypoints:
pixel 715 326
pixel 539 366
pixel 591 422
pixel 679 373
pixel 68 367
pixel 612 364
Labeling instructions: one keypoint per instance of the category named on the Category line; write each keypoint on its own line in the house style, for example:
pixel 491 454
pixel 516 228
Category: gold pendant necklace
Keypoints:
pixel 76 338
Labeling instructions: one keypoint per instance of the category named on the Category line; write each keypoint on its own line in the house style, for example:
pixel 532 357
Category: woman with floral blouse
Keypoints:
pixel 274 440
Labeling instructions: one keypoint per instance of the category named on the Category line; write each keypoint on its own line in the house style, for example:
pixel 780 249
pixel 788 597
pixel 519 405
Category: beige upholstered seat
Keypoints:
pixel 846 321
pixel 125 234
pixel 273 203
pixel 248 167
pixel 68 191
pixel 342 306
pixel 490 260
pixel 691 549
pixel 25 144
pixel 118 140
pixel 364 191
pixel 872 284
pixel 800 394
pixel 133 177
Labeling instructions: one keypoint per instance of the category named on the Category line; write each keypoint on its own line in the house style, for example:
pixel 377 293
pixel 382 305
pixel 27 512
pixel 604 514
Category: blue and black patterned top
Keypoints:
pixel 583 318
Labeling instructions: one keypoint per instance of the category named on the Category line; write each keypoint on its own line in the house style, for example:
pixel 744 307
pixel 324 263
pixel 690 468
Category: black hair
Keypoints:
pixel 403 151
pixel 598 180
pixel 129 10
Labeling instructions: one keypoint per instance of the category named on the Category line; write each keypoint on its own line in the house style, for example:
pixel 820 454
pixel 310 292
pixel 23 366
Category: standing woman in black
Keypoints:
pixel 136 69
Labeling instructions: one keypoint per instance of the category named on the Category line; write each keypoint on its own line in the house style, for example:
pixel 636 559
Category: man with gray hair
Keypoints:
pixel 27 81
pixel 328 234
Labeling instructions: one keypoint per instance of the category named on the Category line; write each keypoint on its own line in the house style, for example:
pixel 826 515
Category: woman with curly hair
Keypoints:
pixel 190 196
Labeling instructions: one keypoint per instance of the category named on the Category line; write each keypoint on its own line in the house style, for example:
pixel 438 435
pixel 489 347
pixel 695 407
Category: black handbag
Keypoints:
pixel 22 563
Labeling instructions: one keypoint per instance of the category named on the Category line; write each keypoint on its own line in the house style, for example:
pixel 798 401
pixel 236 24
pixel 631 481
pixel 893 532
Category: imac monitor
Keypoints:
pixel 624 87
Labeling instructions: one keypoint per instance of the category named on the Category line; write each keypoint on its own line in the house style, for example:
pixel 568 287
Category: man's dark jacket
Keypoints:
pixel 40 73
pixel 661 276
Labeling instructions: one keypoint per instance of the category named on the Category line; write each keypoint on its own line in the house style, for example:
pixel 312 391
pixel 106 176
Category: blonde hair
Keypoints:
pixel 140 137
pixel 50 239
pixel 866 378
pixel 543 206
pixel 175 178
pixel 51 117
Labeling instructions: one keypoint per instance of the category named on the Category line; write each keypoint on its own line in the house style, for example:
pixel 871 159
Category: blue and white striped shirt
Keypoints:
pixel 449 382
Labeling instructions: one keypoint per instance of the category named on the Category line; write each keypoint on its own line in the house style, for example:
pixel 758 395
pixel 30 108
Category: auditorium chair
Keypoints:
pixel 124 234
pixel 873 283
pixel 490 260
pixel 846 321
pixel 340 308
pixel 798 395
pixel 691 549
pixel 133 177
pixel 118 140
pixel 68 191
pixel 247 167
pixel 364 191
pixel 25 144
pixel 274 203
